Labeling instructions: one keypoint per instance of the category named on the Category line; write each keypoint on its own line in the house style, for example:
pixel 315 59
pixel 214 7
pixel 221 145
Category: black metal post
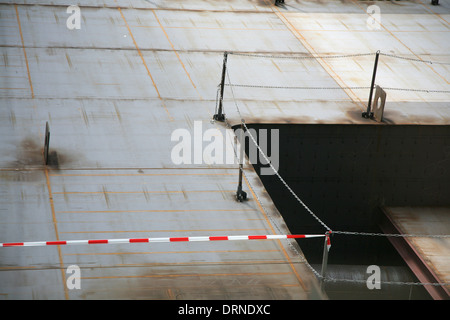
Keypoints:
pixel 368 113
pixel 219 116
pixel 240 194
pixel 46 143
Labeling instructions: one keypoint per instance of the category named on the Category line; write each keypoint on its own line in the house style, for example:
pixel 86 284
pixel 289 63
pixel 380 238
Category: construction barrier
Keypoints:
pixel 164 239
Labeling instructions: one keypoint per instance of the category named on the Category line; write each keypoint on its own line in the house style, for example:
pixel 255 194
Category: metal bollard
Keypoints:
pixel 220 116
pixel 368 113
pixel 46 143
pixel 325 259
pixel 240 194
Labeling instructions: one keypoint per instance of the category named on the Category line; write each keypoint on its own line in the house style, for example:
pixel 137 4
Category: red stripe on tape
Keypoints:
pixel 139 240
pixel 218 238
pixel 294 236
pixel 256 237
pixel 97 241
pixel 180 239
pixel 13 244
pixel 54 243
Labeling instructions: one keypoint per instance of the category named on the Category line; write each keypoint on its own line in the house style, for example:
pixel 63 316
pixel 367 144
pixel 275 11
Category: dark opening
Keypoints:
pixel 345 173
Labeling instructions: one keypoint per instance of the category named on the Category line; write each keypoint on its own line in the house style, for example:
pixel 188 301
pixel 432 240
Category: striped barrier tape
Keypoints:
pixel 166 239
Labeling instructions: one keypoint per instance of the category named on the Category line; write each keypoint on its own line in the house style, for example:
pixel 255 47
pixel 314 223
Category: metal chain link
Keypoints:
pixel 392 234
pixel 413 59
pixel 334 57
pixel 300 255
pixel 319 276
pixel 417 90
pixel 285 87
pixel 295 195
pixel 333 88
pixel 248 181
pixel 270 163
pixel 300 57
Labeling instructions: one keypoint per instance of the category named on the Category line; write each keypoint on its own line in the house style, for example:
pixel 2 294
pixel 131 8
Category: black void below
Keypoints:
pixel 345 173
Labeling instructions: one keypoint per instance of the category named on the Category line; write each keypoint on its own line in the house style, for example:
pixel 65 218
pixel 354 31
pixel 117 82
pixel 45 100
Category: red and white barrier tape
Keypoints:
pixel 143 240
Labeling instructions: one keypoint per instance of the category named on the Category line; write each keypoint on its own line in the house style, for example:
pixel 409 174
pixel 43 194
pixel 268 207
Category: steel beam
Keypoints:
pixel 413 259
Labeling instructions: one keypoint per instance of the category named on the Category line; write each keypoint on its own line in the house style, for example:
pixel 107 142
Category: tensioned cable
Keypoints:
pixel 301 202
pixel 334 57
pixel 332 88
pixel 270 163
pixel 300 255
pixel 231 85
pixel 295 195
pixel 413 59
pixel 299 57
pixel 417 90
pixel 329 279
pixel 326 278
pixel 289 87
pixel 354 233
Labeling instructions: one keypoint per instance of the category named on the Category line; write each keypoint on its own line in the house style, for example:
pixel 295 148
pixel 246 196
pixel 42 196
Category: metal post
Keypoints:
pixel 46 143
pixel 324 260
pixel 368 113
pixel 241 195
pixel 219 116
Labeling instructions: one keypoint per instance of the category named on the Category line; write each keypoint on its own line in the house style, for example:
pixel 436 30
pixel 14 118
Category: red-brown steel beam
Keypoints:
pixel 413 259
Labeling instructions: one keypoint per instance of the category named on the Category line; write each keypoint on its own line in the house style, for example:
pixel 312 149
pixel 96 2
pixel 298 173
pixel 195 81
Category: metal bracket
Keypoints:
pixel 367 115
pixel 378 104
pixel 240 194
pixel 219 117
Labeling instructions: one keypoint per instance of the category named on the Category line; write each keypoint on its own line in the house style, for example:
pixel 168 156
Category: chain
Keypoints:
pixel 300 255
pixel 328 279
pixel 418 90
pixel 413 59
pixel 270 163
pixel 333 57
pixel 248 181
pixel 392 235
pixel 283 87
pixel 300 57
pixel 333 88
